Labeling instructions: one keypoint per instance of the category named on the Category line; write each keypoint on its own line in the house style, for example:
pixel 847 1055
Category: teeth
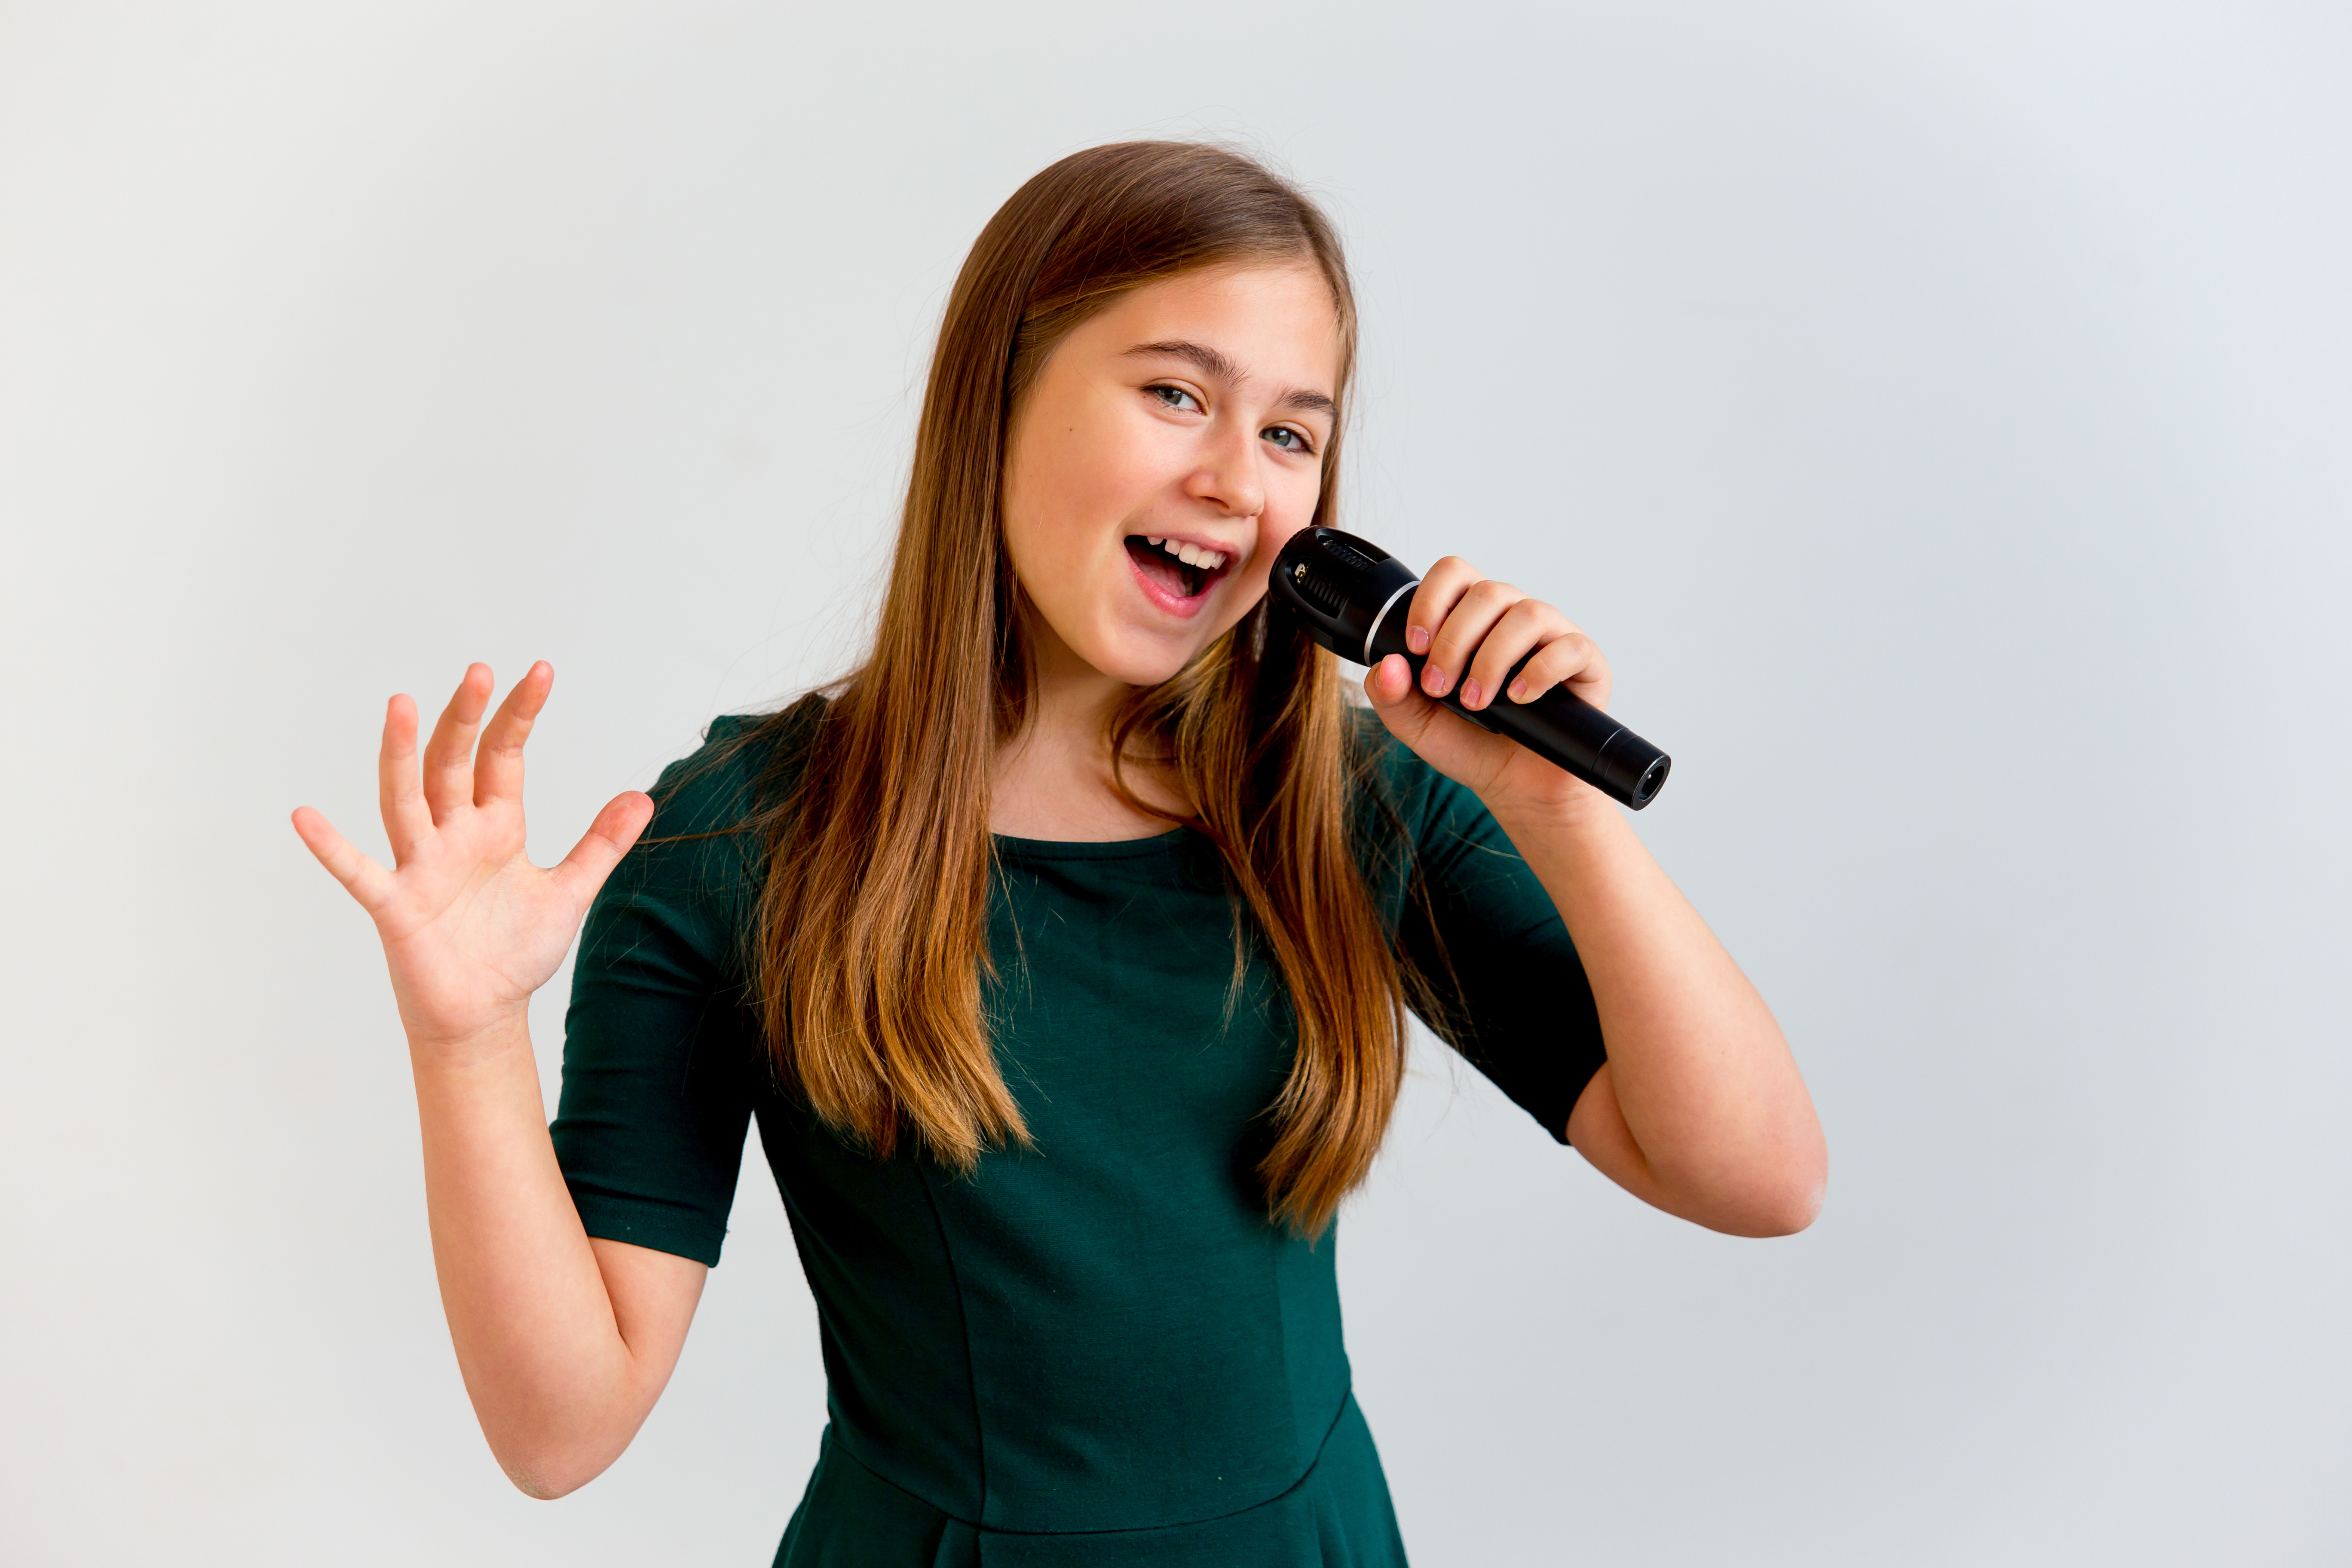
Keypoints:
pixel 1189 554
pixel 1152 539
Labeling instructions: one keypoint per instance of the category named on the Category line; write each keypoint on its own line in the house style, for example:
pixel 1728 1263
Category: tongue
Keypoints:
pixel 1160 567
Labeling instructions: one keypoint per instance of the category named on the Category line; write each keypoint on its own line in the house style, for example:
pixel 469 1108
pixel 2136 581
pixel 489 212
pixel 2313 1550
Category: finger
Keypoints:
pixel 1574 659
pixel 1389 682
pixel 1411 716
pixel 498 762
pixel 1465 627
pixel 1438 593
pixel 362 877
pixel 449 756
pixel 1522 629
pixel 617 827
pixel 408 822
pixel 1406 713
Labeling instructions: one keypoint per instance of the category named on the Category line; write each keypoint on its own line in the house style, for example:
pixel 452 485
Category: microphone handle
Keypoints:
pixel 1570 733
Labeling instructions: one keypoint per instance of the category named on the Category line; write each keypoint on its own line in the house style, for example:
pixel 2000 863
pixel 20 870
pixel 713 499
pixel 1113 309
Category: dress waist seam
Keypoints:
pixel 1347 1400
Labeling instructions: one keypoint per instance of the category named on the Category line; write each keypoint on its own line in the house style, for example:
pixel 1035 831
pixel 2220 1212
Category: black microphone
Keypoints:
pixel 1352 597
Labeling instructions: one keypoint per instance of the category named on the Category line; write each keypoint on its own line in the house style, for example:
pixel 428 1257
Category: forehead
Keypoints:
pixel 1276 321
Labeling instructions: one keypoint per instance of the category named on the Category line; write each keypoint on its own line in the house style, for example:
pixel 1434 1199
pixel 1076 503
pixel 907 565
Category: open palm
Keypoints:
pixel 470 927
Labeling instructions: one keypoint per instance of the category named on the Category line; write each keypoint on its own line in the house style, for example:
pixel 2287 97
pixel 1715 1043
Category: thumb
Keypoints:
pixel 1399 702
pixel 617 827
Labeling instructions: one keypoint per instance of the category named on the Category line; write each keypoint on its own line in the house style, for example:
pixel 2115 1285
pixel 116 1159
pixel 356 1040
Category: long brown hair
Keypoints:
pixel 871 942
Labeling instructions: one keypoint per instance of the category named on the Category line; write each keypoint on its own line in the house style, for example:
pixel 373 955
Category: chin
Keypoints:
pixel 1143 660
pixel 1144 671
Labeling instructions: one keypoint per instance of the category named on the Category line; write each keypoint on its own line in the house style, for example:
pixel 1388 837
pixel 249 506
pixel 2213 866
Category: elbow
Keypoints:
pixel 551 1447
pixel 1757 1207
pixel 1790 1199
pixel 537 1488
pixel 1760 1216
pixel 543 1483
pixel 1784 1214
pixel 548 1471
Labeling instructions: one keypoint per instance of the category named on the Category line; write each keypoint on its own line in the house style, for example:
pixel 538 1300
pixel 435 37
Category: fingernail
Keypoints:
pixel 1417 638
pixel 1519 691
pixel 1434 680
pixel 1470 694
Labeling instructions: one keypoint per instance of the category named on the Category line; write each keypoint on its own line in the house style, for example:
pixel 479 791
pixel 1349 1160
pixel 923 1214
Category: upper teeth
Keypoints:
pixel 1189 554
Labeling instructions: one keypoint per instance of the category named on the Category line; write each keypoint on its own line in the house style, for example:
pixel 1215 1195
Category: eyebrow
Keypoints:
pixel 1217 365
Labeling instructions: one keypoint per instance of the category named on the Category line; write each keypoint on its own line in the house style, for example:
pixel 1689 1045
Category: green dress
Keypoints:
pixel 1099 1351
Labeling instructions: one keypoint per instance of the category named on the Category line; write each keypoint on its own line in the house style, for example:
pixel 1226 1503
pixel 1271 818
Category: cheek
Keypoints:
pixel 1294 497
pixel 1293 510
pixel 1290 508
pixel 1063 483
pixel 1098 471
pixel 1274 531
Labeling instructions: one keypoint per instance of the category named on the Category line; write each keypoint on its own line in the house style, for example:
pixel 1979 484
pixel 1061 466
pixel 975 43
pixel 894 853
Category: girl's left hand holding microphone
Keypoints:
pixel 1474 629
pixel 1699 1109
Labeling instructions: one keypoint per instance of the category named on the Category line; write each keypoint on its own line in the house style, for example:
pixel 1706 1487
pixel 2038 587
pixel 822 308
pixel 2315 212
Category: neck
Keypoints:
pixel 1070 701
pixel 1053 779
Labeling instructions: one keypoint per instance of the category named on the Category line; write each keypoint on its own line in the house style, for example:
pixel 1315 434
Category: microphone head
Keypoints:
pixel 1340 586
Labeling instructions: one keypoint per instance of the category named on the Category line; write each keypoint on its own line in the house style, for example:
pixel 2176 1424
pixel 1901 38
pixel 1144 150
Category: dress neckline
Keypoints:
pixel 1089 848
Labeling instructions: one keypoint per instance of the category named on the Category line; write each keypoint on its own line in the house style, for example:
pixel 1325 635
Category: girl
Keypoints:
pixel 1062 950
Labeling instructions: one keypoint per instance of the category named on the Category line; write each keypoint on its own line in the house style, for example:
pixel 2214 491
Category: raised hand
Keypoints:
pixel 470 927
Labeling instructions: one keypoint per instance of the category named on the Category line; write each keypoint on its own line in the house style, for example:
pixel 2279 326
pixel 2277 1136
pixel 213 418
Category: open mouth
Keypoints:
pixel 1182 571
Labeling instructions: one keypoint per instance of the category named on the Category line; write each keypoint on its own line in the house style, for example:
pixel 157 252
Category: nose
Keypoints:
pixel 1231 475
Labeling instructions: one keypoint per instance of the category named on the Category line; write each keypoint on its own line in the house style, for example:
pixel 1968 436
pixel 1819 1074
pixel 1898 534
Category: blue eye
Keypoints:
pixel 1289 440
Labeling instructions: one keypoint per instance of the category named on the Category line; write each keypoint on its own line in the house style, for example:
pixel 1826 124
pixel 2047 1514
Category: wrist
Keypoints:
pixel 1577 810
pixel 490 1042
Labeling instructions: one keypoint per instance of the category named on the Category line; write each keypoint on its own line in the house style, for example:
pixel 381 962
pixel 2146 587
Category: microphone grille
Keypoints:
pixel 1320 591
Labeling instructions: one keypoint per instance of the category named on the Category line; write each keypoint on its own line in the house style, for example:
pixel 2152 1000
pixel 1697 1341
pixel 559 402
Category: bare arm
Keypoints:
pixel 565 1342
pixel 1700 1110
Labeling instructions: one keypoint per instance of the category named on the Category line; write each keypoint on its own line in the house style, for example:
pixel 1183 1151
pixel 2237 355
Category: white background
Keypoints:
pixel 1941 412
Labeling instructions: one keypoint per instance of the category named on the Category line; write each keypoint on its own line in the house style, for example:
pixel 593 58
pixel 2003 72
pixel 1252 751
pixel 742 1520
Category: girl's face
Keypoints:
pixel 1167 449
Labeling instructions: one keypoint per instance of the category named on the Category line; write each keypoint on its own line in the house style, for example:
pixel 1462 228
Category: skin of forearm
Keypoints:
pixel 554 1383
pixel 1700 1110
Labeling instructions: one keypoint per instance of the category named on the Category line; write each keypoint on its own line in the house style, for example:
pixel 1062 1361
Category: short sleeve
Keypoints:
pixel 1506 988
pixel 661 1043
